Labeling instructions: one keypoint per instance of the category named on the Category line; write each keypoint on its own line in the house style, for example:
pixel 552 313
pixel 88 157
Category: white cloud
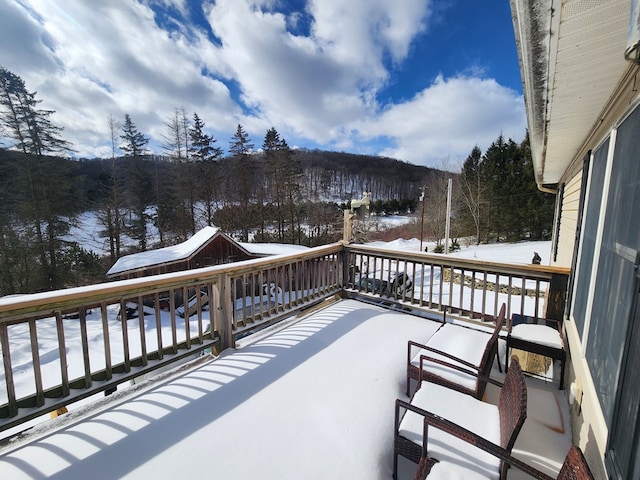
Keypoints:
pixel 111 58
pixel 319 86
pixel 447 119
pixel 312 86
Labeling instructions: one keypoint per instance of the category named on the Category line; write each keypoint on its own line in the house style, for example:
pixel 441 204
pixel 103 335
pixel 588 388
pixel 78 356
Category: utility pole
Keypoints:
pixel 422 189
pixel 448 223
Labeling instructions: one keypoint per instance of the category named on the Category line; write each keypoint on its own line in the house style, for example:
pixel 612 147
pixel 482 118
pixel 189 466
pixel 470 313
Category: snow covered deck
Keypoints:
pixel 314 399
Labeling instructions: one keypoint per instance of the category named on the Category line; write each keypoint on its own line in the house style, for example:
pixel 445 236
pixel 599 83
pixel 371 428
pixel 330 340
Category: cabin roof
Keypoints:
pixel 188 249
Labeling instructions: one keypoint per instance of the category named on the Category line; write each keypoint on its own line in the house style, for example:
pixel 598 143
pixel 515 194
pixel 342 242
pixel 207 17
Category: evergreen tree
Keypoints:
pixel 240 144
pixel 292 173
pixel 205 155
pixel 538 207
pixel 134 145
pixel 284 176
pixel 46 205
pixel 517 209
pixel 275 180
pixel 30 128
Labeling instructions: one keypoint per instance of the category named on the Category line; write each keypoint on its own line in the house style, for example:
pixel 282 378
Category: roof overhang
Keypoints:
pixel 572 60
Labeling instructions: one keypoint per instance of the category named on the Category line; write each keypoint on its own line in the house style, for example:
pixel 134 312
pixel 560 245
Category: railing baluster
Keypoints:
pixel 62 351
pixel 106 341
pixel 8 370
pixel 290 283
pixel 452 272
pixel 473 290
pixel 252 289
pixel 441 287
pixel 174 327
pixel 142 332
pixel 431 276
pixel 484 290
pixel 125 335
pixel 82 319
pixel 463 281
pixel 496 296
pixel 523 295
pixel 35 356
pixel 187 311
pixel 200 312
pixel 158 321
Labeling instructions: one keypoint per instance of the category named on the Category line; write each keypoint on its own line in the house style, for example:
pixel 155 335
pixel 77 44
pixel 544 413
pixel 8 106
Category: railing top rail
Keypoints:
pixel 545 271
pixel 19 305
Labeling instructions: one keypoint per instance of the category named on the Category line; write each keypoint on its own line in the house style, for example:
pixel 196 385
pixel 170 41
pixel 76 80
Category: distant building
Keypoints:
pixel 208 247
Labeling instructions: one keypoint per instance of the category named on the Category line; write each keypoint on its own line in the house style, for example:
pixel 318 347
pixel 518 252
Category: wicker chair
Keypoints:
pixel 465 370
pixel 574 467
pixel 470 422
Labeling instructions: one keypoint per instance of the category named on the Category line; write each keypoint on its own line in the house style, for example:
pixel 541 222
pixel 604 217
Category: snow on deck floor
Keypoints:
pixel 314 400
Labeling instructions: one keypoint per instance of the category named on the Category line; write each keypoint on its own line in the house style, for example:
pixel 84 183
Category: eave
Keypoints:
pixel 572 62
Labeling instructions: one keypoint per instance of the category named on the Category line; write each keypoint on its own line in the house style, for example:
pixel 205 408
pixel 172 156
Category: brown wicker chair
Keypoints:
pixel 471 422
pixel 465 374
pixel 574 467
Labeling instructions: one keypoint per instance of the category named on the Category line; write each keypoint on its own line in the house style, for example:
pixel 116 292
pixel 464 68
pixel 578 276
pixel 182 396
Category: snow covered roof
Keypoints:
pixel 187 249
pixel 263 249
pixel 174 253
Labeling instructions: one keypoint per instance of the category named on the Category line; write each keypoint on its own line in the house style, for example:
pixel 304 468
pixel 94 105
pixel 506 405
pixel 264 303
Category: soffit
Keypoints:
pixel 586 62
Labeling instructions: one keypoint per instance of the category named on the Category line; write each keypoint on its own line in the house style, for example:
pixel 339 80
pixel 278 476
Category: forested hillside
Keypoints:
pixel 267 192
pixel 262 197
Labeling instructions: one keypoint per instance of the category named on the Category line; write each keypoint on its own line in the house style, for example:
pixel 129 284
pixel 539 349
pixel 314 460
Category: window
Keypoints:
pixel 612 348
pixel 623 460
pixel 615 274
pixel 587 248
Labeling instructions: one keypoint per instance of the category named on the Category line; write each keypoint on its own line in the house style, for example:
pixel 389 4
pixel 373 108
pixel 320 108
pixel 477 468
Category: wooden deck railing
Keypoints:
pixel 125 329
pixel 471 287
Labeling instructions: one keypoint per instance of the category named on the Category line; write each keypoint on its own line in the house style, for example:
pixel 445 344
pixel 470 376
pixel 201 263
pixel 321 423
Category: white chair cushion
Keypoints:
pixel 464 343
pixel 451 471
pixel 539 334
pixel 477 416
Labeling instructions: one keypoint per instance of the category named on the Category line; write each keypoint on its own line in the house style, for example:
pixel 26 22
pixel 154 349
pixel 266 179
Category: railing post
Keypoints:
pixel 348 222
pixel 343 268
pixel 556 298
pixel 222 303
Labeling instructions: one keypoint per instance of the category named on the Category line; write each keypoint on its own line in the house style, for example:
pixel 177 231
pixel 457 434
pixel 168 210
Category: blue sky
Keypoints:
pixel 418 80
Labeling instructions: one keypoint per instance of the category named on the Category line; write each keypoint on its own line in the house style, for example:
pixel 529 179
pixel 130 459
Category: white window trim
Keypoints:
pixel 598 243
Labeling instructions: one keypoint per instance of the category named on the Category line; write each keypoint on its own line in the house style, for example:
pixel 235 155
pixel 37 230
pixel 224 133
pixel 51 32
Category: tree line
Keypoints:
pixel 268 193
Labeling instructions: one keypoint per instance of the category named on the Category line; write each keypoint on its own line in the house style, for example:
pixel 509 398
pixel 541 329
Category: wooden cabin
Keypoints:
pixel 208 247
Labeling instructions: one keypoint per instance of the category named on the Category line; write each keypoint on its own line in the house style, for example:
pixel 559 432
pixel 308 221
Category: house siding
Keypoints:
pixel 568 221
